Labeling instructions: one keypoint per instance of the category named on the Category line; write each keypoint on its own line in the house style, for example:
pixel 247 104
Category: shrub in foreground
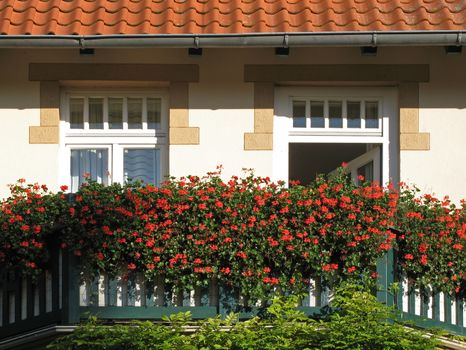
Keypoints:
pixel 357 322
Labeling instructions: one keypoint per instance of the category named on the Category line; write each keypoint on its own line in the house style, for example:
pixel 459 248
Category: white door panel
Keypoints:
pixel 367 164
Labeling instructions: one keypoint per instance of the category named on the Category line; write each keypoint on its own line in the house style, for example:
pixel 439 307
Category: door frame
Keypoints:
pixel 373 155
pixel 387 139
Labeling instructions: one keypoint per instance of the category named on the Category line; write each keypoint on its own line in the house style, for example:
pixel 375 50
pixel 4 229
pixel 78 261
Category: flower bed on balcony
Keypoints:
pixel 249 233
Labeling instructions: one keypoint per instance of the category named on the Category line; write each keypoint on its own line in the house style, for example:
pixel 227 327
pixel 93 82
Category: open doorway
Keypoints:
pixel 316 128
pixel 306 160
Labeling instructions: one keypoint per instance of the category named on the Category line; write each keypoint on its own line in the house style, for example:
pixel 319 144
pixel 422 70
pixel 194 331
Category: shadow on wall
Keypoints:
pixel 221 71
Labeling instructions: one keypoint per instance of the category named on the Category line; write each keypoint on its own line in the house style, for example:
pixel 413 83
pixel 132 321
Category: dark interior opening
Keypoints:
pixel 306 160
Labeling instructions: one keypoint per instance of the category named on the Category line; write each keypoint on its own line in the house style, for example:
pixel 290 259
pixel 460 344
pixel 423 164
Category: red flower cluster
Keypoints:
pixel 27 219
pixel 431 244
pixel 248 233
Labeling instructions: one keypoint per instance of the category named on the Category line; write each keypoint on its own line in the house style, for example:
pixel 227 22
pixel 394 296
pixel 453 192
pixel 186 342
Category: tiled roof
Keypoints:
pixel 107 17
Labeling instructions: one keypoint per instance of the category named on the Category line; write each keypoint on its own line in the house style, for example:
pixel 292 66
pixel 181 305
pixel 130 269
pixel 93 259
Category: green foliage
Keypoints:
pixel 357 322
pixel 140 335
pixel 361 322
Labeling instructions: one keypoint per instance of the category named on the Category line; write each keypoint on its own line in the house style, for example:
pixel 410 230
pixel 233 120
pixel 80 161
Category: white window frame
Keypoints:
pixel 386 136
pixel 114 140
pixel 344 130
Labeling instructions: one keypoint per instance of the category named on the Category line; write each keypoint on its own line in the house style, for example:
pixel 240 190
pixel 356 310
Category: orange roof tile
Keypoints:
pixel 108 17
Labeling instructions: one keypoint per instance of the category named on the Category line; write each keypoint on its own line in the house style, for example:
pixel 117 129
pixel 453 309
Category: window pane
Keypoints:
pixel 153 113
pixel 77 113
pixel 115 113
pixel 372 114
pixel 134 113
pixel 299 114
pixel 96 113
pixel 142 164
pixel 88 163
pixel 317 114
pixel 354 114
pixel 335 114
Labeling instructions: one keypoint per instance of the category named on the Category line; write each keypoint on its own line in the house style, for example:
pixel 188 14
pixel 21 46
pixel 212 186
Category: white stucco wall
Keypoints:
pixel 442 170
pixel 35 163
pixel 19 108
pixel 221 105
pixel 222 127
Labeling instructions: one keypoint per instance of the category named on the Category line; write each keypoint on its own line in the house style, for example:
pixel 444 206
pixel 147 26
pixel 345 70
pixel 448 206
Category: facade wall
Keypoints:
pixel 19 108
pixel 442 169
pixel 222 125
pixel 221 105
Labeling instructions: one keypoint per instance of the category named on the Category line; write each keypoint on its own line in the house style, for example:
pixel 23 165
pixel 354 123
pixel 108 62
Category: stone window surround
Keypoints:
pixel 405 76
pixel 178 77
pixel 264 77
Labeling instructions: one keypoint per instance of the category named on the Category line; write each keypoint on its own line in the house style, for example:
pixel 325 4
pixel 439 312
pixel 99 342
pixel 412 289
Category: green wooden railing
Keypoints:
pixel 59 298
pixel 431 310
pixel 27 304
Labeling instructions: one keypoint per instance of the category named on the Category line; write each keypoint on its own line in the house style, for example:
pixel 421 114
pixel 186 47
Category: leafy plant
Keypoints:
pixel 361 322
pixel 358 322
pixel 138 335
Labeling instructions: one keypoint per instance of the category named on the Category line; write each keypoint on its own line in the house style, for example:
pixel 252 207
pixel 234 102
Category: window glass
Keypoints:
pixel 88 163
pixel 299 114
pixel 77 113
pixel 335 114
pixel 367 171
pixel 134 113
pixel 353 114
pixel 153 113
pixel 115 113
pixel 372 114
pixel 142 164
pixel 317 114
pixel 109 146
pixel 96 113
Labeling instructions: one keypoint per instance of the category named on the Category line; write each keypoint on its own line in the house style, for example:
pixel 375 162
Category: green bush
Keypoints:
pixel 358 321
pixel 361 322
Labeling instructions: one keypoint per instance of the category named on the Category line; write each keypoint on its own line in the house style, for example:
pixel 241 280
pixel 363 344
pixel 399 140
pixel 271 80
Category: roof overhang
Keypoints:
pixel 301 39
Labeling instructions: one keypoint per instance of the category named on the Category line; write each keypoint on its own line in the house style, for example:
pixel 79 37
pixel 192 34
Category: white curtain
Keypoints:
pixel 92 162
pixel 142 164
